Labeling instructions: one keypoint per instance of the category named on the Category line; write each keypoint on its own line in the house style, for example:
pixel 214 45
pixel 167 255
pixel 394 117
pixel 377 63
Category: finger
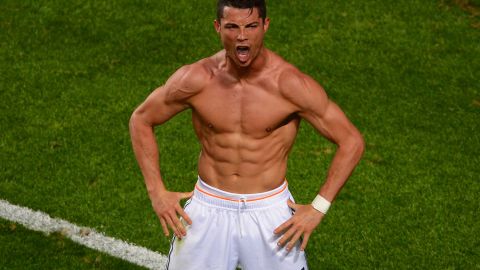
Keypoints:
pixel 174 228
pixel 292 204
pixel 186 195
pixel 184 215
pixel 294 240
pixel 283 227
pixel 285 237
pixel 164 227
pixel 179 225
pixel 305 241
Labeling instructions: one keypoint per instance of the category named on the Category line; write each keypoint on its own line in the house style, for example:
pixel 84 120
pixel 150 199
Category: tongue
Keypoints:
pixel 242 55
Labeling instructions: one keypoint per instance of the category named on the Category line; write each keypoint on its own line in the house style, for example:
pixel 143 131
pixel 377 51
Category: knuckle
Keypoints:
pixel 298 227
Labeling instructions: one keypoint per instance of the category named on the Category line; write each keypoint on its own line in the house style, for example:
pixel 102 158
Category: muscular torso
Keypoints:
pixel 246 127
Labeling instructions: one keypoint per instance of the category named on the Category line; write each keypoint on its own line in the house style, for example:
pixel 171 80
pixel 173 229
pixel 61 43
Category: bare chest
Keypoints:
pixel 251 108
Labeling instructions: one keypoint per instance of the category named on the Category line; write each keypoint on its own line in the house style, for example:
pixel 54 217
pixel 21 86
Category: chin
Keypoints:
pixel 244 65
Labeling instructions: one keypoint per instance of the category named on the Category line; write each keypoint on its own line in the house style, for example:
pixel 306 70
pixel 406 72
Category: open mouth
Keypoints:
pixel 243 53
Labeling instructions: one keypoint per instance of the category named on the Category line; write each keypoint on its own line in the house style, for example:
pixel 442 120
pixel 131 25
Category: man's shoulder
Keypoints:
pixel 193 76
pixel 197 70
pixel 294 85
pixel 290 78
pixel 287 73
pixel 207 65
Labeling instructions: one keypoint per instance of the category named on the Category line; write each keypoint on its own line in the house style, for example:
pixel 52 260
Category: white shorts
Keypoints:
pixel 235 230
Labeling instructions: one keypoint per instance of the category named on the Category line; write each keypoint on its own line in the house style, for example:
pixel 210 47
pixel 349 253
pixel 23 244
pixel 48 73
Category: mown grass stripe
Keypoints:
pixel 42 222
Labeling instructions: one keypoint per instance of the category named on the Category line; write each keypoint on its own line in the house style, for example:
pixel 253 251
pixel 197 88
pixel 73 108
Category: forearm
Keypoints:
pixel 344 162
pixel 146 152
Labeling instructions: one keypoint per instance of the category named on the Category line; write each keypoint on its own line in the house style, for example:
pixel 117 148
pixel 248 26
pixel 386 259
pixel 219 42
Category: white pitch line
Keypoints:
pixel 39 221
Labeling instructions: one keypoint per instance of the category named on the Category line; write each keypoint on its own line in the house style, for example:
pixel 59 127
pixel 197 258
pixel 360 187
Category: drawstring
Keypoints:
pixel 244 200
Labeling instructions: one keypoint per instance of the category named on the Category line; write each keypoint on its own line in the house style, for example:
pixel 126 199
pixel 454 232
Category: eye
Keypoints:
pixel 230 26
pixel 255 25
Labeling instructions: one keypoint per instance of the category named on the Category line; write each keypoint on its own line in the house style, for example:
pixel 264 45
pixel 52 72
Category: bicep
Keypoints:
pixel 173 97
pixel 158 107
pixel 322 113
pixel 330 121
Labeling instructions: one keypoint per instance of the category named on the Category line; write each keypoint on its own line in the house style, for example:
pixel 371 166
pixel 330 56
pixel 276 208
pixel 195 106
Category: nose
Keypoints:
pixel 241 35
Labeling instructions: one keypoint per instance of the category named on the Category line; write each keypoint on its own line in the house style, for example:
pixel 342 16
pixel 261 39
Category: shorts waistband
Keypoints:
pixel 217 197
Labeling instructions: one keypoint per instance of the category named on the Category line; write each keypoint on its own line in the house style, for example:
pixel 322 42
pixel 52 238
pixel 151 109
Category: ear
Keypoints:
pixel 266 24
pixel 217 26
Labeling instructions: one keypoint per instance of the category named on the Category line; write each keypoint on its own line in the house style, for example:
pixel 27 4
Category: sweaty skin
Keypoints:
pixel 246 103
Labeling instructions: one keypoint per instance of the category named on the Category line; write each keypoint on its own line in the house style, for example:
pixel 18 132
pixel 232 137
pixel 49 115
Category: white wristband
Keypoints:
pixel 321 204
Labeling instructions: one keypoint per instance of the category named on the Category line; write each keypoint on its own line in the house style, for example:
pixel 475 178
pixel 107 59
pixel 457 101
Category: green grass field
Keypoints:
pixel 407 73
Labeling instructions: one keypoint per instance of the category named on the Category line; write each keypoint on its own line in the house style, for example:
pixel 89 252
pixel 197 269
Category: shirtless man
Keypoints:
pixel 246 103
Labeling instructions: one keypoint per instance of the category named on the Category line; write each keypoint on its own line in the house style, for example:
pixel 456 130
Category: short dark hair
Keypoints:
pixel 250 4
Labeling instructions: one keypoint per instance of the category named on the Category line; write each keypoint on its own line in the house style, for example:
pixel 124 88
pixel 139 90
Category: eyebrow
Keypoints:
pixel 230 24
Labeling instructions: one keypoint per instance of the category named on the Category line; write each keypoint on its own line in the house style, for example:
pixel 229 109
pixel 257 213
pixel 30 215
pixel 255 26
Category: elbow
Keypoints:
pixel 139 122
pixel 359 146
pixel 135 121
pixel 355 146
